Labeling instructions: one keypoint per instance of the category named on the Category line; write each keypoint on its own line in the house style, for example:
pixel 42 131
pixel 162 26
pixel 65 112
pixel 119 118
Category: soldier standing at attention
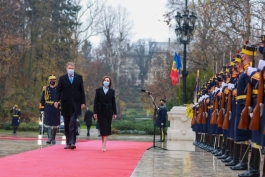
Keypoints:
pixel 16 116
pixel 161 119
pixel 51 114
pixel 242 136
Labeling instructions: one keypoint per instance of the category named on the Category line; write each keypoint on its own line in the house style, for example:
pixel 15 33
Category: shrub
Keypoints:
pixel 132 127
pixel 7 126
pixel 32 126
pixel 123 125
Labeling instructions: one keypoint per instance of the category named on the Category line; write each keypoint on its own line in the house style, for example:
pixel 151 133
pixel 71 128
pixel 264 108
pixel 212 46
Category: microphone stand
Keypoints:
pixel 154 118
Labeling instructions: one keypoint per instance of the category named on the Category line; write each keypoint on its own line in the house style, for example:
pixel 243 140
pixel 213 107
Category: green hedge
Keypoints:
pixel 132 127
pixel 31 126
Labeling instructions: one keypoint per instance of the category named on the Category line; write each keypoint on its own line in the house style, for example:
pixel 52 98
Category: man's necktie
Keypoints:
pixel 71 79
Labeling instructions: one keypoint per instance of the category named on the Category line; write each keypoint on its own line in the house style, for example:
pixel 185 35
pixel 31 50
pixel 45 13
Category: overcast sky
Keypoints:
pixel 148 18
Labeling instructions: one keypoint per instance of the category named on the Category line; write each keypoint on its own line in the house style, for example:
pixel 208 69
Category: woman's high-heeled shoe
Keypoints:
pixel 104 147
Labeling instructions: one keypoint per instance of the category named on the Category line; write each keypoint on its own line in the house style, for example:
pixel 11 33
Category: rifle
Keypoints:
pixel 255 121
pixel 215 109
pixel 221 113
pixel 199 119
pixel 205 112
pixel 226 122
pixel 243 123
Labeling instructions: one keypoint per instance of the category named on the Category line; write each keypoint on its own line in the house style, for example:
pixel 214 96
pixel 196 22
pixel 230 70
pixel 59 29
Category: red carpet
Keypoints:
pixel 31 138
pixel 87 160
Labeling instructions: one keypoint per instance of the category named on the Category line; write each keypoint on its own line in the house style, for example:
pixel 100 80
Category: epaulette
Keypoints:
pixel 256 76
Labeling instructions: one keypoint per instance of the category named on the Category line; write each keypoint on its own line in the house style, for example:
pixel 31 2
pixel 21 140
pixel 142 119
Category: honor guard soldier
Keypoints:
pixel 257 138
pixel 51 114
pixel 15 118
pixel 161 119
pixel 242 133
pixel 234 70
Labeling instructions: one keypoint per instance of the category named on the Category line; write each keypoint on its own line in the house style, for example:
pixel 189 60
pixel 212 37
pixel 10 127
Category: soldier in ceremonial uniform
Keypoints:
pixel 255 124
pixel 51 114
pixel 212 127
pixel 15 118
pixel 243 135
pixel 195 125
pixel 235 68
pixel 161 119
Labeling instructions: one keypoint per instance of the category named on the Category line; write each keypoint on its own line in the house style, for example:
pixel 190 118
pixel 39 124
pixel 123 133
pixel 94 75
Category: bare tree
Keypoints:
pixel 222 27
pixel 144 51
pixel 115 27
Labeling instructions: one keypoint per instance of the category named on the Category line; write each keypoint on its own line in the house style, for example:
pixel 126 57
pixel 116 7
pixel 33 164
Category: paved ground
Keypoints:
pixel 181 159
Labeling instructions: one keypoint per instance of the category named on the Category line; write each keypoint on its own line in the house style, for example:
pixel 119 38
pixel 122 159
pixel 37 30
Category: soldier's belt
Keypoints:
pixel 255 91
pixel 15 115
pixel 241 97
pixel 49 102
pixel 210 107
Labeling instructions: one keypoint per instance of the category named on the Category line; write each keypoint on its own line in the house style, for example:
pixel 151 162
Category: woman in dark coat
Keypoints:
pixel 105 109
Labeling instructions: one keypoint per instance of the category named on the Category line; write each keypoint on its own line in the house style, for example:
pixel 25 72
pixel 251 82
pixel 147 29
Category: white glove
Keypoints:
pixel 261 64
pixel 42 112
pixel 223 84
pixel 231 86
pixel 251 70
pixel 13 107
pixel 216 89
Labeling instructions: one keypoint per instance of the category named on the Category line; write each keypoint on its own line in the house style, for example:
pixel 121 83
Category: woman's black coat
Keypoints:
pixel 105 107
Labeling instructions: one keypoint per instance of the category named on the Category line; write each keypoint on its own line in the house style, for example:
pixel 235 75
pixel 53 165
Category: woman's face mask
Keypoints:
pixel 106 83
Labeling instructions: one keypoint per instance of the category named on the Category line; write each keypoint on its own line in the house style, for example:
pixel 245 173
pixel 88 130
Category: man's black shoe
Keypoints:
pixel 160 141
pixel 72 146
pixel 67 147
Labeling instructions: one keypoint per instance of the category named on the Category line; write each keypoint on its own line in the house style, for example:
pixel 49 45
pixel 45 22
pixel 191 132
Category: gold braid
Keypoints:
pixel 46 94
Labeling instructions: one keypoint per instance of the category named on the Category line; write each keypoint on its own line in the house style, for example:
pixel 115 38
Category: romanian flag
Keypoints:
pixel 174 74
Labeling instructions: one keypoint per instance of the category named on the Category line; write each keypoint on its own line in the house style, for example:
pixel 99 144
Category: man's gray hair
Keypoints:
pixel 70 63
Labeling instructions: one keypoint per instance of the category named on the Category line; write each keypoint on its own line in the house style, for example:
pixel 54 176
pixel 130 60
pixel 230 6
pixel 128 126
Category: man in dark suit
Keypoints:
pixel 70 91
pixel 88 120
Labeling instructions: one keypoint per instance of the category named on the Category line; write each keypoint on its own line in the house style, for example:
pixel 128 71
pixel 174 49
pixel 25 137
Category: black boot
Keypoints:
pixel 231 152
pixel 210 146
pixel 220 146
pixel 49 133
pixel 226 146
pixel 243 161
pixel 254 163
pixel 236 156
pixel 15 130
pixel 54 131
